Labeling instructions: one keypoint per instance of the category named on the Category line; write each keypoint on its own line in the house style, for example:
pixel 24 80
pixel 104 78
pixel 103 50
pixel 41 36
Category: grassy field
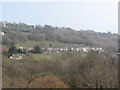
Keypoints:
pixel 41 56
pixel 47 56
pixel 36 57
pixel 46 43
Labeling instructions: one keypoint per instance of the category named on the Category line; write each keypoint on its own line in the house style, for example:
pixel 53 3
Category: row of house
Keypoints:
pixel 60 49
pixel 77 49
pixel 65 49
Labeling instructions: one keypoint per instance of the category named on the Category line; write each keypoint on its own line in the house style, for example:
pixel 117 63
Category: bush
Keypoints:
pixel 12 50
pixel 48 82
pixel 37 49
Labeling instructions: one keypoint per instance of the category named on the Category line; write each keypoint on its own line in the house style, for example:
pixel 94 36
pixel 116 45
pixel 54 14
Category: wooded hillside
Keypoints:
pixel 23 32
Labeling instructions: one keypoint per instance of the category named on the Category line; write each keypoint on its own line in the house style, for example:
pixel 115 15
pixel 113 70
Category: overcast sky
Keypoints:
pixel 98 16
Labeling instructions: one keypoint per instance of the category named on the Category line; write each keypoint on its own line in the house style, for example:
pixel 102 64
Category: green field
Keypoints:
pixel 46 43
pixel 47 56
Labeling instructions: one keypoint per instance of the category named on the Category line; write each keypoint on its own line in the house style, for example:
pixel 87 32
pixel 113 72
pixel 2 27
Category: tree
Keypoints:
pixel 48 82
pixel 36 36
pixel 99 72
pixel 12 50
pixel 50 44
pixel 37 49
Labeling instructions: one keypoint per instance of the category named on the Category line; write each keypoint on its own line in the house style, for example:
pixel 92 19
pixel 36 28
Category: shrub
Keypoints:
pixel 48 82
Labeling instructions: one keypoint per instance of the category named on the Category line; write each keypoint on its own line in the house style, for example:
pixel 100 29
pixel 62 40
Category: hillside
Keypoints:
pixel 26 67
pixel 21 33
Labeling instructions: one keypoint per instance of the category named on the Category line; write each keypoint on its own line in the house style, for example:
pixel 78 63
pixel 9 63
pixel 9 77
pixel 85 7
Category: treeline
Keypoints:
pixel 23 32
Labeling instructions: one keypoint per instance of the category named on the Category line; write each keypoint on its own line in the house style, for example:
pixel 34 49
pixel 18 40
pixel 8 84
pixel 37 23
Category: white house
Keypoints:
pixel 21 48
pixel 16 57
pixel 2 33
pixel 84 49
